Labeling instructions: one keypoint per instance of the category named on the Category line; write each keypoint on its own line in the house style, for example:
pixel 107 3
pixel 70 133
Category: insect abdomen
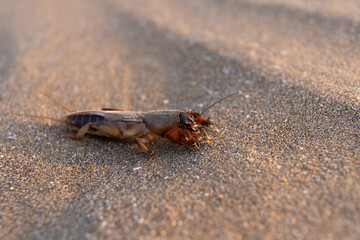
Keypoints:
pixel 82 119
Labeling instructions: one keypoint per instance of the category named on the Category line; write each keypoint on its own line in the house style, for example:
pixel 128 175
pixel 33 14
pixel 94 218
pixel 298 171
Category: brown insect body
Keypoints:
pixel 180 127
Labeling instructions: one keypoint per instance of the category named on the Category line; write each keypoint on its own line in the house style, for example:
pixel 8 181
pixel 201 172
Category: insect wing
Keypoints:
pixel 124 120
pixel 81 118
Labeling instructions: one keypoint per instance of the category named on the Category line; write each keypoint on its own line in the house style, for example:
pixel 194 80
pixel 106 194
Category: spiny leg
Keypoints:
pixel 207 137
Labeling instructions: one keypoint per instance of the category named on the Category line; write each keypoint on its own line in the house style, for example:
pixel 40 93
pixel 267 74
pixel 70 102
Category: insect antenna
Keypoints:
pixel 37 116
pixel 58 103
pixel 239 92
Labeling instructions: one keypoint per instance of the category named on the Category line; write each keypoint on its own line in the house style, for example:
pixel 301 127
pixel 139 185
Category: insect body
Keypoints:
pixel 183 127
pixel 178 126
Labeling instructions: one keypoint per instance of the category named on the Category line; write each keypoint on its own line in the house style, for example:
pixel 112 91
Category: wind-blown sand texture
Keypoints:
pixel 284 162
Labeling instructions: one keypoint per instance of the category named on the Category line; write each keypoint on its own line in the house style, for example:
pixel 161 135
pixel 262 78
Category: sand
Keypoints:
pixel 283 162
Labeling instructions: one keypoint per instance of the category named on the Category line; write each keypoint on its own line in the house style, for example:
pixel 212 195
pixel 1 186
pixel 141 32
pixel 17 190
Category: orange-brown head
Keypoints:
pixel 200 119
pixel 188 128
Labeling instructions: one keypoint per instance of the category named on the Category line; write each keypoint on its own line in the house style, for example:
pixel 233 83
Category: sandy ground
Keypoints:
pixel 284 162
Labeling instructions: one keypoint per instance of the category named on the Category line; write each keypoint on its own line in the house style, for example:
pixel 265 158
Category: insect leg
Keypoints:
pixel 146 148
pixel 207 137
pixel 83 130
pixel 107 129
pixel 102 128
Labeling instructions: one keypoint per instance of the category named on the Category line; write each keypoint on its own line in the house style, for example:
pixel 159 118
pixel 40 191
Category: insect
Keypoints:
pixel 183 127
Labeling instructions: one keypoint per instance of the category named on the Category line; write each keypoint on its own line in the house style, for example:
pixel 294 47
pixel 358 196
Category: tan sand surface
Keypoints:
pixel 284 161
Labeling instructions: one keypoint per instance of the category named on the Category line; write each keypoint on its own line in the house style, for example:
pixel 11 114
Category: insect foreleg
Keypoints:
pixel 207 137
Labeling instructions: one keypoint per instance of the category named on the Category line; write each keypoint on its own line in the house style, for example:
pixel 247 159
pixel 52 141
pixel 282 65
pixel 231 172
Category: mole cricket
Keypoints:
pixel 182 127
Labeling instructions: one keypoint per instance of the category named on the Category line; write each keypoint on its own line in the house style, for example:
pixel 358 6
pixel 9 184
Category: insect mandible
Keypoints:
pixel 183 127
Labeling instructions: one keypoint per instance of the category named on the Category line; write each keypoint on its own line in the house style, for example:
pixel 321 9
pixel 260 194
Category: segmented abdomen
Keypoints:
pixel 82 119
